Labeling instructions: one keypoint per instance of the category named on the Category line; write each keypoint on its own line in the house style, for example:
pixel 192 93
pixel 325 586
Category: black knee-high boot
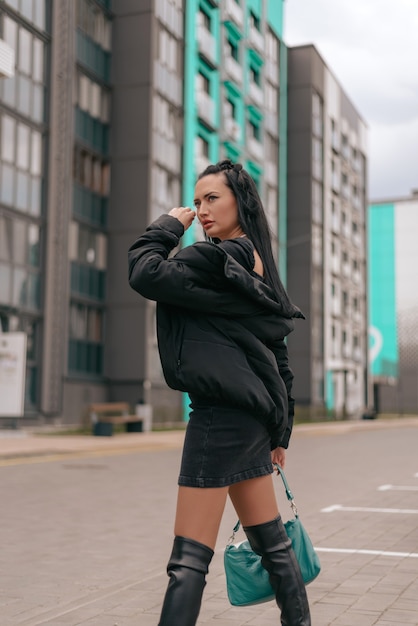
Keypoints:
pixel 271 542
pixel 187 568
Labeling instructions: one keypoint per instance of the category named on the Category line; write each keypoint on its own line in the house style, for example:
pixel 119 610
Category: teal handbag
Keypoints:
pixel 247 582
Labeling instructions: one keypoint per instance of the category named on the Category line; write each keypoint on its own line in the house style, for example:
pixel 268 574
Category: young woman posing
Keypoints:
pixel 222 317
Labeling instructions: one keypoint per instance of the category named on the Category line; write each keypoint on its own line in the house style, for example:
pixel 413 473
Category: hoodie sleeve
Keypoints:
pixel 279 349
pixel 173 281
pixel 150 273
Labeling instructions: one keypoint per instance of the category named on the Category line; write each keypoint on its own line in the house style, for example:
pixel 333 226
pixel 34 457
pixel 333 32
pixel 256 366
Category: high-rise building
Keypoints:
pixel 326 247
pixel 210 88
pixel 143 94
pixel 393 303
pixel 24 29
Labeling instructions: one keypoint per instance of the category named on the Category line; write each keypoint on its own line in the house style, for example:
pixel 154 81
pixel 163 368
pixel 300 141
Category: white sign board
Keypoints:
pixel 12 374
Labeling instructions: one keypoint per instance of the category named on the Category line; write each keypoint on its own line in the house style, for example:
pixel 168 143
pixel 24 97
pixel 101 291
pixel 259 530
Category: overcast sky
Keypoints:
pixel 371 46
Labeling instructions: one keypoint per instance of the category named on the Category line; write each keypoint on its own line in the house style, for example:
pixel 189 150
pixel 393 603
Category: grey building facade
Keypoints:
pixel 96 95
pixel 327 190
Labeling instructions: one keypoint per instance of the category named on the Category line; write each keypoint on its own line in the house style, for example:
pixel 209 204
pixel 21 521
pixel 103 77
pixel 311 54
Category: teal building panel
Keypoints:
pixel 383 332
pixel 275 16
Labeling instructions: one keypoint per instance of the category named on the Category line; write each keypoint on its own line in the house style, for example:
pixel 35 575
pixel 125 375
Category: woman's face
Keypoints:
pixel 216 207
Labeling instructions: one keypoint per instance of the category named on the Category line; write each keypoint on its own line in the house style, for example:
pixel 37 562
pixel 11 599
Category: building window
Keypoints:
pixel 255 75
pixel 168 50
pixel 254 130
pixel 25 90
pixel 254 21
pixel 271 98
pixel 317 115
pixel 91 172
pixel 233 48
pixel 272 47
pixel 92 98
pixel 20 182
pixel 87 246
pixel 92 21
pixel 85 355
pixel 317 202
pixel 204 19
pixel 202 83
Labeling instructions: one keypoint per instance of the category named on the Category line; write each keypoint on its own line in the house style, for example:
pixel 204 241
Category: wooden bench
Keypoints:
pixel 104 415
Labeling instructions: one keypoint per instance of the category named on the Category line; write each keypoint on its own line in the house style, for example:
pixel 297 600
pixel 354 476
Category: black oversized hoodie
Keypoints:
pixel 220 329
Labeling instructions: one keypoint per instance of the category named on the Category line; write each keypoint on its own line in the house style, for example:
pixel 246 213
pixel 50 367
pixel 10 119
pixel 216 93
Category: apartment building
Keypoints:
pixel 326 247
pixel 393 303
pixel 111 114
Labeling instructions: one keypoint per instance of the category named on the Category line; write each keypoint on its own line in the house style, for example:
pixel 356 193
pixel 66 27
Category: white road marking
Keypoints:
pixel 396 488
pixel 409 555
pixel 339 507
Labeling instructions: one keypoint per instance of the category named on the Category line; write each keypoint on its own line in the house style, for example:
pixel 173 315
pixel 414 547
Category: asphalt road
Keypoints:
pixel 85 540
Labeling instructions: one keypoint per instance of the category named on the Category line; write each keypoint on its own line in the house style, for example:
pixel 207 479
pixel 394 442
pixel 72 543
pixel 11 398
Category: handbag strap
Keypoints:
pixel 289 495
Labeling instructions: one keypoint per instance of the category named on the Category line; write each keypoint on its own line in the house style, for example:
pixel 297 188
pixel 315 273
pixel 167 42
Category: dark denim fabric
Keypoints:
pixel 223 446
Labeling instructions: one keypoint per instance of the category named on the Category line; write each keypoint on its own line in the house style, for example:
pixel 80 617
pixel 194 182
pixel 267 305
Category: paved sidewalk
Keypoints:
pixel 29 443
pixel 16 445
pixel 84 543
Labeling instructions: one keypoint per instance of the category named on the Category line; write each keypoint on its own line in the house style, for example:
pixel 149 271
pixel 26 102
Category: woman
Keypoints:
pixel 222 316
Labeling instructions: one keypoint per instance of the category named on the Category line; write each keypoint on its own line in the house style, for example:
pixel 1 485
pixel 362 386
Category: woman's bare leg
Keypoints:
pixel 199 513
pixel 254 500
pixel 198 516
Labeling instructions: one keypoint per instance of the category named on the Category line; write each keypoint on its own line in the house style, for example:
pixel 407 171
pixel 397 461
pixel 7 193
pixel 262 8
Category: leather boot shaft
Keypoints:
pixel 187 569
pixel 271 542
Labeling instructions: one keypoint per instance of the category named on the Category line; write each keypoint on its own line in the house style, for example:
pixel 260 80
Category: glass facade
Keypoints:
pixel 91 187
pixel 23 26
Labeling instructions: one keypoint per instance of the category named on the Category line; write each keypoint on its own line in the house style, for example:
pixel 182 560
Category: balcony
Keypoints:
pixel 168 83
pixel 357 240
pixel 346 351
pixel 270 173
pixel 256 39
pixel 207 45
pixel 272 72
pixel 335 223
pixel 91 131
pixel 335 181
pixel 7 60
pixel 357 354
pixel 346 230
pixel 271 123
pixel 233 69
pixel 93 56
pixel 335 141
pixel 346 270
pixel 233 129
pixel 255 148
pixel 206 108
pixel 345 191
pixel 335 306
pixel 256 94
pixel 87 281
pixel 90 206
pixel 233 11
pixel 335 265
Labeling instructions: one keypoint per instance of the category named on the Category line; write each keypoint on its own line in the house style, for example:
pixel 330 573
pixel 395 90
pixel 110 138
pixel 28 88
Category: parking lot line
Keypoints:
pixel 409 555
pixel 366 509
pixel 396 488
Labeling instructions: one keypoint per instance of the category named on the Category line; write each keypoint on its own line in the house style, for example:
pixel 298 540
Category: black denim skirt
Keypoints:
pixel 223 446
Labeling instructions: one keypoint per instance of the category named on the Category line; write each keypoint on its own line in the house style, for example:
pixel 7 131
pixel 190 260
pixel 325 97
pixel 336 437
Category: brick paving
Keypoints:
pixel 86 527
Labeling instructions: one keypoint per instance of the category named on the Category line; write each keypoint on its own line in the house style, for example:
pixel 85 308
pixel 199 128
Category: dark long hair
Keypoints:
pixel 252 219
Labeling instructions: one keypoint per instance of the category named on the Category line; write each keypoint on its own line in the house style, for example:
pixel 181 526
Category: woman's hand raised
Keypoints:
pixel 184 214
